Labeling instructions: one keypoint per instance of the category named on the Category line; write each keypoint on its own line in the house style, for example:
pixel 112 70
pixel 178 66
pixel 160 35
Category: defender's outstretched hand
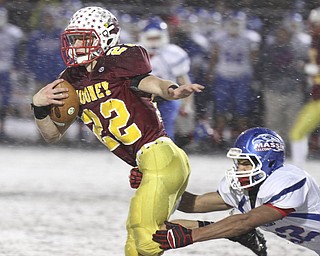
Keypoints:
pixel 254 240
pixel 174 237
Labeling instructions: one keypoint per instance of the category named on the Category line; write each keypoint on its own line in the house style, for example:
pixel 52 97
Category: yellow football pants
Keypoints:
pixel 166 171
pixel 307 120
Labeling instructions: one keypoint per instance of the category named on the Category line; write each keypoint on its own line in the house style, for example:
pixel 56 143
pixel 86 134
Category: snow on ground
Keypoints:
pixel 69 202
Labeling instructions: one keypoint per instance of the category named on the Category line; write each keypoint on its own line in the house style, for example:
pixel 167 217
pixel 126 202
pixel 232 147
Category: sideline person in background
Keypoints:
pixel 115 89
pixel 10 38
pixel 43 58
pixel 230 71
pixel 169 61
pixel 283 79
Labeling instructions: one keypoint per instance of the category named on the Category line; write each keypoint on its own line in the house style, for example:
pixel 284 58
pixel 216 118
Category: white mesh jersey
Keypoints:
pixel 234 55
pixel 287 187
pixel 170 62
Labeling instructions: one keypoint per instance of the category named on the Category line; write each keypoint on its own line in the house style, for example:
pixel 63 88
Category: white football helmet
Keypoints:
pixel 96 28
pixel 154 34
pixel 314 16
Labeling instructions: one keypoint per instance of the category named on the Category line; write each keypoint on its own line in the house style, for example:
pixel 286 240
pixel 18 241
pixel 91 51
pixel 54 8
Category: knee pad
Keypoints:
pixel 144 244
pixel 148 248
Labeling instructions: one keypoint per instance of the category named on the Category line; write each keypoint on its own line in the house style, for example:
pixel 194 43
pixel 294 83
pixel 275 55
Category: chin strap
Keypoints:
pixel 253 195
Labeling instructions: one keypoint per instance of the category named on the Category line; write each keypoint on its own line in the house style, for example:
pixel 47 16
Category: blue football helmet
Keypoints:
pixel 154 34
pixel 264 149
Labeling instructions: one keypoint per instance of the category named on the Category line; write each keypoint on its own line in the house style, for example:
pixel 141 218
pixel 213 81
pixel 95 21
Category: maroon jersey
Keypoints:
pixel 119 115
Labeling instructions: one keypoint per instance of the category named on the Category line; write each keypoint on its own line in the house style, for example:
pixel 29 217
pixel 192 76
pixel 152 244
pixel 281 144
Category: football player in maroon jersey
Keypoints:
pixel 115 90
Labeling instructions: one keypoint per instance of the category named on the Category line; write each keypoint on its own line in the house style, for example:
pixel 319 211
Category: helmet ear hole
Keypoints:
pixel 271 163
pixel 109 41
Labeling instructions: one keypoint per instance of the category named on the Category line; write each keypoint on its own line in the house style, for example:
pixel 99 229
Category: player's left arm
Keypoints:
pixel 167 89
pixel 253 240
pixel 177 235
pixel 187 103
pixel 237 224
pixel 208 202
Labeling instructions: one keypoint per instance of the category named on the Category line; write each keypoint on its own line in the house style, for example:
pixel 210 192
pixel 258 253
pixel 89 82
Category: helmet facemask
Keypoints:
pixel 80 46
pixel 97 29
pixel 244 179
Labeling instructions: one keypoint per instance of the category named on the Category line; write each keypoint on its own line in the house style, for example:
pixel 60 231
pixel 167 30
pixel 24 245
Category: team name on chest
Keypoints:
pixel 93 92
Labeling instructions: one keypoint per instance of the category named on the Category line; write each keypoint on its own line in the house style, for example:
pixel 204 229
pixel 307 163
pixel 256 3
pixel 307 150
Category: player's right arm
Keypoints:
pixel 41 100
pixel 167 89
pixel 207 202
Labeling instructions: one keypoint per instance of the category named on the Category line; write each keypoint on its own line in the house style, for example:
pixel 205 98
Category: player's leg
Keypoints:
pixel 5 93
pixel 222 106
pixel 130 246
pixel 166 171
pixel 307 121
pixel 242 97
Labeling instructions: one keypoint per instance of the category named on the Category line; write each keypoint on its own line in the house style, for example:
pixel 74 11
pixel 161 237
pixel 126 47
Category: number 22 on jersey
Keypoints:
pixel 128 135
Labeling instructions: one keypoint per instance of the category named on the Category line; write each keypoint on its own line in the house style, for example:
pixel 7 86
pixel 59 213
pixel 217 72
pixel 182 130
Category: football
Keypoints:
pixel 66 114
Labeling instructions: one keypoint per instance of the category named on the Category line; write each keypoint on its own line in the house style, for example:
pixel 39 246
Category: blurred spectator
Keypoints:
pixel 308 119
pixel 254 22
pixel 63 8
pixel 43 57
pixel 10 38
pixel 283 79
pixel 194 35
pixel 37 13
pixel 169 61
pixel 230 71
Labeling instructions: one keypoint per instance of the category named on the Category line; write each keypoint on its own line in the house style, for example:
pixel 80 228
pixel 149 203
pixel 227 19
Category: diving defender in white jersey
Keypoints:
pixel 270 194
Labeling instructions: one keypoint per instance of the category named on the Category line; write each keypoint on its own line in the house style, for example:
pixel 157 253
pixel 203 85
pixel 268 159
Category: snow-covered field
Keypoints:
pixel 72 202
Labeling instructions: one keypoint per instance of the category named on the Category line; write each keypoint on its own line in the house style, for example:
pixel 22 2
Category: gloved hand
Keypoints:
pixel 254 240
pixel 175 236
pixel 135 178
